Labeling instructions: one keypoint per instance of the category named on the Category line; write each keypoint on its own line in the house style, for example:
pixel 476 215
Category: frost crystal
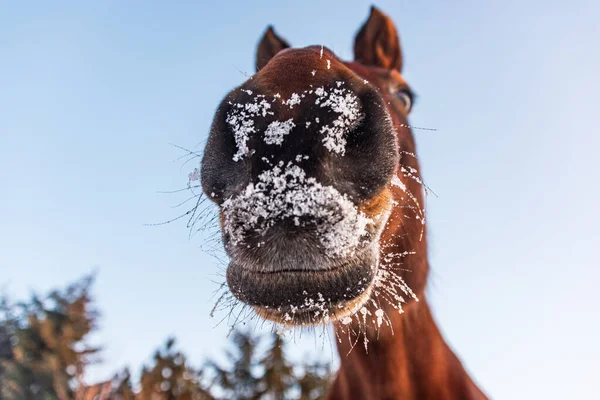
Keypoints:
pixel 379 315
pixel 241 120
pixel 194 176
pixel 397 182
pixel 292 101
pixel 277 130
pixel 341 101
pixel 344 103
pixel 285 192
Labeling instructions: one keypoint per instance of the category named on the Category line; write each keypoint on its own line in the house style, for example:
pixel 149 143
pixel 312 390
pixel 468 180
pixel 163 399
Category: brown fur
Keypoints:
pixel 377 42
pixel 410 360
pixel 413 361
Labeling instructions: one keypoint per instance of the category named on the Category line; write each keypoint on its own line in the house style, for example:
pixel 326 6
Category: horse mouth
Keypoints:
pixel 314 314
pixel 302 297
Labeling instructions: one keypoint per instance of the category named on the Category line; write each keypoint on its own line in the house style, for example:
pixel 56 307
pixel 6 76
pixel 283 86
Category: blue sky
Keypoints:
pixel 92 93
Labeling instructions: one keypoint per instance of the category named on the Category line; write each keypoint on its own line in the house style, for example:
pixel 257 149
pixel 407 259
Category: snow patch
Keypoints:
pixel 292 101
pixel 379 315
pixel 343 102
pixel 397 182
pixel 277 130
pixel 241 120
pixel 285 192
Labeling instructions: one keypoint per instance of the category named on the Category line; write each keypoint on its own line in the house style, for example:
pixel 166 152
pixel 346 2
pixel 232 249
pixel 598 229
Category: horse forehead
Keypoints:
pixel 298 70
pixel 375 75
pixel 309 51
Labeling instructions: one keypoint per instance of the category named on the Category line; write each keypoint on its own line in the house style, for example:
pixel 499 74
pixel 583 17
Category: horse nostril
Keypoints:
pixel 326 127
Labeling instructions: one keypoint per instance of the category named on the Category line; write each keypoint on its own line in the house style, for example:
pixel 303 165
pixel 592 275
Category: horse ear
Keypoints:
pixel 377 42
pixel 269 45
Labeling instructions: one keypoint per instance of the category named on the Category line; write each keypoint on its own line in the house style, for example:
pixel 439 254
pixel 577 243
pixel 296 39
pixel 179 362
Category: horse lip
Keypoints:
pixel 314 315
pixel 305 293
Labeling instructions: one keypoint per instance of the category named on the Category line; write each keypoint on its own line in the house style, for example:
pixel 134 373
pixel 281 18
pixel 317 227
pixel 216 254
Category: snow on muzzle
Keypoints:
pixel 291 239
pixel 285 196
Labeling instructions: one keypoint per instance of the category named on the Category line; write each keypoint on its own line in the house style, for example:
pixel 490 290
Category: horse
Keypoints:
pixel 313 167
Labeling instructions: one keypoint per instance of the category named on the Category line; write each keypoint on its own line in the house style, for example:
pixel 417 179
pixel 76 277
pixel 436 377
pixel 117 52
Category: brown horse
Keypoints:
pixel 312 164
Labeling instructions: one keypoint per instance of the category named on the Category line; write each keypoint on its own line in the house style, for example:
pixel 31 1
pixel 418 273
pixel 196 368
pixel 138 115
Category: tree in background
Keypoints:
pixel 6 354
pixel 170 378
pixel 43 356
pixel 272 376
pixel 239 378
pixel 49 353
pixel 278 377
pixel 314 381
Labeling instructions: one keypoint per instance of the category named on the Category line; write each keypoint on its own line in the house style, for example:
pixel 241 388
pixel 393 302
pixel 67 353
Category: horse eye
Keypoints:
pixel 406 98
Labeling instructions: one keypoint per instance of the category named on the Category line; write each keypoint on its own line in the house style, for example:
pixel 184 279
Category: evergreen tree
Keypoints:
pixel 278 378
pixel 314 381
pixel 239 380
pixel 49 353
pixel 122 388
pixel 170 378
pixel 5 344
pixel 43 355
pixel 270 377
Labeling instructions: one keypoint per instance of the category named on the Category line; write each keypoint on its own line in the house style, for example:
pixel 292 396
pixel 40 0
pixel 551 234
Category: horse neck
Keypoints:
pixel 412 363
pixel 407 357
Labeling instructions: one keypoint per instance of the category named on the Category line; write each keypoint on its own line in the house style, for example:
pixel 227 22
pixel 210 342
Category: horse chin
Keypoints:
pixel 316 315
pixel 305 297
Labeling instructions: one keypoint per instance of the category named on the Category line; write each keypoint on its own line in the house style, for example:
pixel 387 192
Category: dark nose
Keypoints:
pixel 298 145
